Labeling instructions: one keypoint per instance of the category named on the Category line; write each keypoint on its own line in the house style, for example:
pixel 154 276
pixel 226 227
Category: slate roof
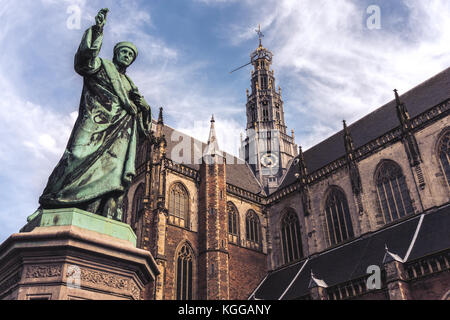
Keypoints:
pixel 238 172
pixel 350 261
pixel 418 100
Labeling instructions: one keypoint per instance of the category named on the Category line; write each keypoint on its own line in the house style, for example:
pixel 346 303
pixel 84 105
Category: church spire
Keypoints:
pixel 160 124
pixel 160 117
pixel 402 112
pixel 302 164
pixel 397 98
pixel 260 35
pixel 355 177
pixel 410 142
pixel 212 147
pixel 349 146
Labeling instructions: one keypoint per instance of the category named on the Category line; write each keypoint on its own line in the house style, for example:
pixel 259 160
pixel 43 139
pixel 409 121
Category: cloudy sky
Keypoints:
pixel 333 59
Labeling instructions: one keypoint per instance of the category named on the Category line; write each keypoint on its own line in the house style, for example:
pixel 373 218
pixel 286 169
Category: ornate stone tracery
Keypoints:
pixel 393 195
pixel 291 237
pixel 444 155
pixel 184 273
pixel 233 223
pixel 338 222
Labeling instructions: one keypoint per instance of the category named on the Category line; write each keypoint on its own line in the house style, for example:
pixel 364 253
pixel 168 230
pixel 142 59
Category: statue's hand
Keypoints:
pixel 143 105
pixel 100 19
pixel 139 101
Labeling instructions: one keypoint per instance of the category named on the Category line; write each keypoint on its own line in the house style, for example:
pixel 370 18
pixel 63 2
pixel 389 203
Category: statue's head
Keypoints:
pixel 125 53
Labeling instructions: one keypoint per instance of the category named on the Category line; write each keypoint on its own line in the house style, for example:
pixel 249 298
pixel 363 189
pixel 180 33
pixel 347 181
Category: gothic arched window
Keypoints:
pixel 184 265
pixel 291 238
pixel 233 223
pixel 392 192
pixel 252 228
pixel 444 155
pixel 178 205
pixel 337 217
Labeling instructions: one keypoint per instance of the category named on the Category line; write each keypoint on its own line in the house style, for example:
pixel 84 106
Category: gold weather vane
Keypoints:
pixel 260 36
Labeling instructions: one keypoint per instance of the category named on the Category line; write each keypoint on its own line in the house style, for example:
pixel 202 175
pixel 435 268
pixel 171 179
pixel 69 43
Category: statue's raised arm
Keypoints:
pixel 87 61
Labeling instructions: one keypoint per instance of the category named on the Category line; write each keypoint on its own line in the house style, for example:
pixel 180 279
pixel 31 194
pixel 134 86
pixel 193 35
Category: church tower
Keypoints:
pixel 213 223
pixel 268 147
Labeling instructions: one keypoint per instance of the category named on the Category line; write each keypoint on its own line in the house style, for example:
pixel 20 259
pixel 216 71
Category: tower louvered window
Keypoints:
pixel 291 237
pixel 233 231
pixel 337 217
pixel 252 228
pixel 184 281
pixel 393 195
pixel 444 156
pixel 178 206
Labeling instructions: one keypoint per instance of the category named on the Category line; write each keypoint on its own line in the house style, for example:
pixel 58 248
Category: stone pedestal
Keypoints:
pixel 72 254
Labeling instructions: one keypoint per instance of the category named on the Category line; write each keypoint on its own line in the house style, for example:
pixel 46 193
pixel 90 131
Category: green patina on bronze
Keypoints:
pixel 98 164
pixel 82 219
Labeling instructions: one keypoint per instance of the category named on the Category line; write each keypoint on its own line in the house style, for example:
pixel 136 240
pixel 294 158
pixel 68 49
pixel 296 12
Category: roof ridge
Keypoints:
pixel 390 102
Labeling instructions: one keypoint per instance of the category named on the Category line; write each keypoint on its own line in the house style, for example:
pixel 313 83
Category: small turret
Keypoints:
pixel 212 148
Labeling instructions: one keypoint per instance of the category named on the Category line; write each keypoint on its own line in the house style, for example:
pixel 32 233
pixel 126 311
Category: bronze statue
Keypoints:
pixel 99 161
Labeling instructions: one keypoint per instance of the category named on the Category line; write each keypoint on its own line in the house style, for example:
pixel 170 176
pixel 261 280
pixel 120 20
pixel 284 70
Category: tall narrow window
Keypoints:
pixel 263 82
pixel 184 281
pixel 444 156
pixel 233 231
pixel 252 228
pixel 125 209
pixel 337 217
pixel 138 202
pixel 291 237
pixel 138 206
pixel 392 192
pixel 141 156
pixel 178 205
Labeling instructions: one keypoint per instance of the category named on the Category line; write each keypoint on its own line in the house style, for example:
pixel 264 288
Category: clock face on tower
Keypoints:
pixel 269 160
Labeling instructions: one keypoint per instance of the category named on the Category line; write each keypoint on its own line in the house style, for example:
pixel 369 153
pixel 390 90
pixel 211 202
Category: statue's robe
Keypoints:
pixel 100 156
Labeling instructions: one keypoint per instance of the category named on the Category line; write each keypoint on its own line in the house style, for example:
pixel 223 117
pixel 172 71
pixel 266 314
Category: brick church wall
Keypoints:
pixel 247 270
pixel 432 287
pixel 175 236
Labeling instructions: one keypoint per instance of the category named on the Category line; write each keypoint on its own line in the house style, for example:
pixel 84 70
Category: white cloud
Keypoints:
pixel 215 2
pixel 33 139
pixel 333 68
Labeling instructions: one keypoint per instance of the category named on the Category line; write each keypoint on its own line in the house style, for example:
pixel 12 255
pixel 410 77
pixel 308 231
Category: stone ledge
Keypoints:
pixel 82 219
pixel 43 262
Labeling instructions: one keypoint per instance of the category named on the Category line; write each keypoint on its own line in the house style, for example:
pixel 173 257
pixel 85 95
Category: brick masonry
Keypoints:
pixel 238 270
